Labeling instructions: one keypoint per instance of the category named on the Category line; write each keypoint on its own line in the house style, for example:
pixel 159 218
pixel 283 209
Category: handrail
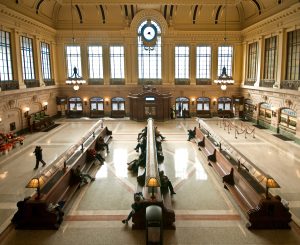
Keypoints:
pixel 242 160
pixel 151 159
pixel 61 161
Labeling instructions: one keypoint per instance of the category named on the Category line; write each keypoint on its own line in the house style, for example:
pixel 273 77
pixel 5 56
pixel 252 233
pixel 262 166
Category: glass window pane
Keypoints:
pixel 73 59
pixel 45 61
pixel 95 57
pixel 225 58
pixel 6 73
pixel 182 60
pixel 203 62
pixel 27 58
pixel 117 65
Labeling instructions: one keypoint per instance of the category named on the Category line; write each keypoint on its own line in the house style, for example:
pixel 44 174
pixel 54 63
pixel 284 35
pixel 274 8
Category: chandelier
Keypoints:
pixel 224 79
pixel 75 79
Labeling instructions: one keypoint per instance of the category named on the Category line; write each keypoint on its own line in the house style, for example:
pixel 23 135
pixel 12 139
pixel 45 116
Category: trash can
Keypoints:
pixel 154 225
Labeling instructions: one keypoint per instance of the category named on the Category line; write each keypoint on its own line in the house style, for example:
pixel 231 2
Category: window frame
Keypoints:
pixel 182 62
pixel 225 59
pixel 92 59
pixel 114 64
pixel 27 57
pixel 6 69
pixel 208 63
pixel 46 61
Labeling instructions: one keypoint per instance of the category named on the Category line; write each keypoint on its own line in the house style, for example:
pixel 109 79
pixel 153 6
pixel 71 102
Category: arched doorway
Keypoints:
pixel 117 107
pixel 182 107
pixel 75 107
pixel 97 107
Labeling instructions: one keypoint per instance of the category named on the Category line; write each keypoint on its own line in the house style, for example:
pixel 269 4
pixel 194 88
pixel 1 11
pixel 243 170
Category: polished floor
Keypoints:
pixel 205 213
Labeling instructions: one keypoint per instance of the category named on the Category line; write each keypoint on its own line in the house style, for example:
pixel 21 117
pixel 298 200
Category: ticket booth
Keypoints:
pixel 154 225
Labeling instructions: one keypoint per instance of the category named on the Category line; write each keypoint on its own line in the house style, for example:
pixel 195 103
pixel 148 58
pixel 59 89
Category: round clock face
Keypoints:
pixel 149 32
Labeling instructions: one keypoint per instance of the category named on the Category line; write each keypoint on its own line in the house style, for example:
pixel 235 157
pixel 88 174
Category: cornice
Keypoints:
pixel 277 20
pixel 20 20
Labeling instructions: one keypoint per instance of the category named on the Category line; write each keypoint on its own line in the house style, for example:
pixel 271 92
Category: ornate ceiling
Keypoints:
pixel 118 14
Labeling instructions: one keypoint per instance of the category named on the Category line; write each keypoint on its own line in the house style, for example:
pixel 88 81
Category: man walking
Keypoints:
pixel 38 156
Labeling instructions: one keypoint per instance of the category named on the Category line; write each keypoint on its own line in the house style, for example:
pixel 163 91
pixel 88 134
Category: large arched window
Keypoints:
pixel 149 57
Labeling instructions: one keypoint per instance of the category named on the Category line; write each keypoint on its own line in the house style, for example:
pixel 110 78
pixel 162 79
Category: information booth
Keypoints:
pixel 96 107
pixel 150 103
pixel 265 114
pixel 287 122
pixel 75 107
pixel 203 107
pixel 249 109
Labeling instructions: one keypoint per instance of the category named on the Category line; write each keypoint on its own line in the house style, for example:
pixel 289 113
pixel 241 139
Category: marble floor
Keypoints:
pixel 205 212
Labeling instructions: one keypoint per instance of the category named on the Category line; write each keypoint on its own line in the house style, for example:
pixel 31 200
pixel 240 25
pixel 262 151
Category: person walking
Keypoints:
pixel 38 156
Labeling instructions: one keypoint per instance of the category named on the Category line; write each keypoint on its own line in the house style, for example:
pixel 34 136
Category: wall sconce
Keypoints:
pixel 214 101
pixel 274 114
pixel 270 183
pixel 288 102
pixel 0 119
pixel 106 101
pixel 26 111
pixel 153 182
pixel 37 182
pixel 85 101
pixel 193 101
pixel 45 105
pixel 255 107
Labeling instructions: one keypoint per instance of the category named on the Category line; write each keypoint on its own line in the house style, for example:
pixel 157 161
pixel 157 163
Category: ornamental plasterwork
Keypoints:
pixel 273 22
pixel 25 21
pixel 149 14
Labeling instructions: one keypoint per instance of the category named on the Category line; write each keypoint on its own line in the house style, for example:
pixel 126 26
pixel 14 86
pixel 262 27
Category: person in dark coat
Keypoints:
pixel 38 156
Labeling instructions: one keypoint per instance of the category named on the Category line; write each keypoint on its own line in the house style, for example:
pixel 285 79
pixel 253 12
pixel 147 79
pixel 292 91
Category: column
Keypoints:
pixel 260 65
pixel 106 63
pixel 193 64
pixel 281 58
pixel 37 61
pixel 17 59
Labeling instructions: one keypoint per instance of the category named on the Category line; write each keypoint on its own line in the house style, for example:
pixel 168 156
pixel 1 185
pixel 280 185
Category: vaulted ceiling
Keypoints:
pixel 117 14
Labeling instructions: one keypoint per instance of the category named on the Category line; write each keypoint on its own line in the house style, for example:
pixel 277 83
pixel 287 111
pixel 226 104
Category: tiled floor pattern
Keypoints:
pixel 205 213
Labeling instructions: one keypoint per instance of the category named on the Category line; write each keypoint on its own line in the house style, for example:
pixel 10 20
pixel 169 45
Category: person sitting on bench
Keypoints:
pixel 158 134
pixel 83 176
pixel 134 164
pixel 166 183
pixel 141 144
pixel 191 134
pixel 101 145
pixel 143 133
pixel 136 206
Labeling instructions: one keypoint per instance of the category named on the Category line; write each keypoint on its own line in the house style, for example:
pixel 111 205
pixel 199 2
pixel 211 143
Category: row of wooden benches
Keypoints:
pixel 46 211
pixel 161 199
pixel 262 212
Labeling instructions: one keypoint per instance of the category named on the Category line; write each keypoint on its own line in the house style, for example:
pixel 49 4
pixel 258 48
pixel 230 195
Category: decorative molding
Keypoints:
pixel 277 20
pixel 149 14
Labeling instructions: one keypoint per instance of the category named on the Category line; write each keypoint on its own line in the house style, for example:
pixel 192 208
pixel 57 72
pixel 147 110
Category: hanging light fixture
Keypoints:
pixel 224 79
pixel 75 79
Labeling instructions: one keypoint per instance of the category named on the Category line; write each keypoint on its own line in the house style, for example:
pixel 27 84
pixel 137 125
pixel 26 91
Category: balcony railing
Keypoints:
pixel 49 82
pixel 9 85
pixel 32 83
pixel 266 83
pixel 290 84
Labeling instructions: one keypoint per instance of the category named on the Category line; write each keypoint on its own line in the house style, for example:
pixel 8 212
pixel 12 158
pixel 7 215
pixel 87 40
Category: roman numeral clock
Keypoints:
pixel 149 34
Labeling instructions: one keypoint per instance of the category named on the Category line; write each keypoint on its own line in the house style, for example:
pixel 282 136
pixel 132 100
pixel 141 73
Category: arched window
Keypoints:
pixel 265 112
pixel 75 107
pixel 149 52
pixel 182 107
pixel 224 104
pixel 117 107
pixel 97 104
pixel 97 107
pixel 75 104
pixel 203 107
pixel 288 118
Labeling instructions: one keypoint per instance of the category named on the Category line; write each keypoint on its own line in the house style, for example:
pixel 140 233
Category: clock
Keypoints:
pixel 149 34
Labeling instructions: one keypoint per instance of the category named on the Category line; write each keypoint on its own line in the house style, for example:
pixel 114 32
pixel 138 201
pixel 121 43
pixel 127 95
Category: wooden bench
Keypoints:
pixel 209 149
pixel 38 120
pixel 261 212
pixel 152 195
pixel 59 189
